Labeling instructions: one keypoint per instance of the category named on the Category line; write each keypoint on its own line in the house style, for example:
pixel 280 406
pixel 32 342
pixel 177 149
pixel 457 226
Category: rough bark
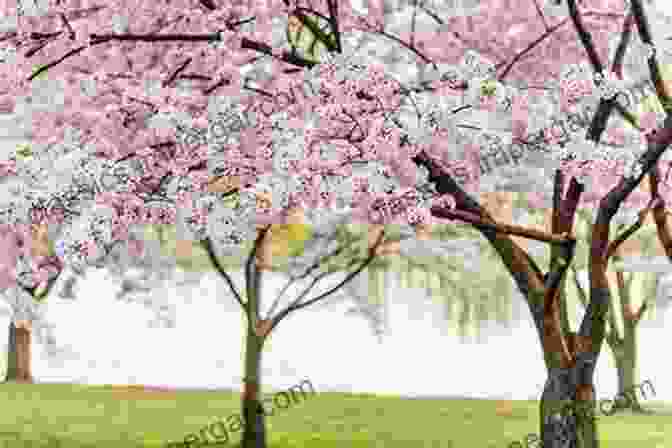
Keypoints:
pixel 19 367
pixel 567 420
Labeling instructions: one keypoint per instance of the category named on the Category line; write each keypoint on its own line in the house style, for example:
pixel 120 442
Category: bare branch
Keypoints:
pixel 614 245
pixel 508 229
pixel 292 279
pixel 367 261
pixel 213 259
pixel 626 35
pixel 642 308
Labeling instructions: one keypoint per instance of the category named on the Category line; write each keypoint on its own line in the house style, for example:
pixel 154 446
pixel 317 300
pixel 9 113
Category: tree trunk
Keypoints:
pixel 254 429
pixel 19 354
pixel 254 424
pixel 567 420
pixel 626 368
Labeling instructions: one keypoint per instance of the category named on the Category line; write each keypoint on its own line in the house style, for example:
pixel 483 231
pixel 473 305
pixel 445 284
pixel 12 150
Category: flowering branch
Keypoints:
pixel 644 29
pixel 210 37
pixel 529 48
pixel 173 76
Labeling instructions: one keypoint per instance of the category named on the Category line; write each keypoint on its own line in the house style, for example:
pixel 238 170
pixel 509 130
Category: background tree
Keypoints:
pixel 29 250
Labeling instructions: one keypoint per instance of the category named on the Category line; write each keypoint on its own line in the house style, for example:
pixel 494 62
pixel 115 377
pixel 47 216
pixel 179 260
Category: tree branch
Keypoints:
pixel 251 273
pixel 525 272
pixel 213 259
pixel 209 4
pixel 292 279
pixel 287 57
pixel 177 71
pixel 626 35
pixel 614 245
pixel 350 276
pixel 153 37
pixel 642 308
pixel 508 229
pixel 529 48
pixel 659 215
pixel 407 46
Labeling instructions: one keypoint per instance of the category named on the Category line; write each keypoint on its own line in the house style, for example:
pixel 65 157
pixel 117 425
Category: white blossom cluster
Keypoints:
pixel 581 148
pixel 609 85
pixel 228 226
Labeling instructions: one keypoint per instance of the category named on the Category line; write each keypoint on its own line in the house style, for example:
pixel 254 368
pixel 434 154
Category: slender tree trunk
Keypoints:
pixel 254 430
pixel 625 352
pixel 626 369
pixel 19 354
pixel 254 424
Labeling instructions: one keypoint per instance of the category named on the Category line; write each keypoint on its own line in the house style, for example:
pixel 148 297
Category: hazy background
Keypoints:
pixel 418 355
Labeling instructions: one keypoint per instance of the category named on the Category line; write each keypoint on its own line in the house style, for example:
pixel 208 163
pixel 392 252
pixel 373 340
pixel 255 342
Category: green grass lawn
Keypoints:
pixel 57 415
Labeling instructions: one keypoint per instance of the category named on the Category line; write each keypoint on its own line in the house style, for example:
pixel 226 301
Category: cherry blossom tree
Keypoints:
pixel 591 329
pixel 108 203
pixel 28 268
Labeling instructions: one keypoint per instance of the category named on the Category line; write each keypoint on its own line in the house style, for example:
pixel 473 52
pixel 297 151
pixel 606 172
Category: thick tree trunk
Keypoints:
pixel 254 429
pixel 567 420
pixel 19 354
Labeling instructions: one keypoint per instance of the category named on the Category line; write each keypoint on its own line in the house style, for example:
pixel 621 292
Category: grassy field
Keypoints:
pixel 58 415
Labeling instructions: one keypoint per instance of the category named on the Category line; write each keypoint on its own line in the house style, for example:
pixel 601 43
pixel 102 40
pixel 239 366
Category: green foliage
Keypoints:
pixel 309 39
pixel 24 151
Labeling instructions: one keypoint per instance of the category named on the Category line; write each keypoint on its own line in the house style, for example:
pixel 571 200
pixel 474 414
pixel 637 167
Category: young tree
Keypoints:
pixel 104 223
